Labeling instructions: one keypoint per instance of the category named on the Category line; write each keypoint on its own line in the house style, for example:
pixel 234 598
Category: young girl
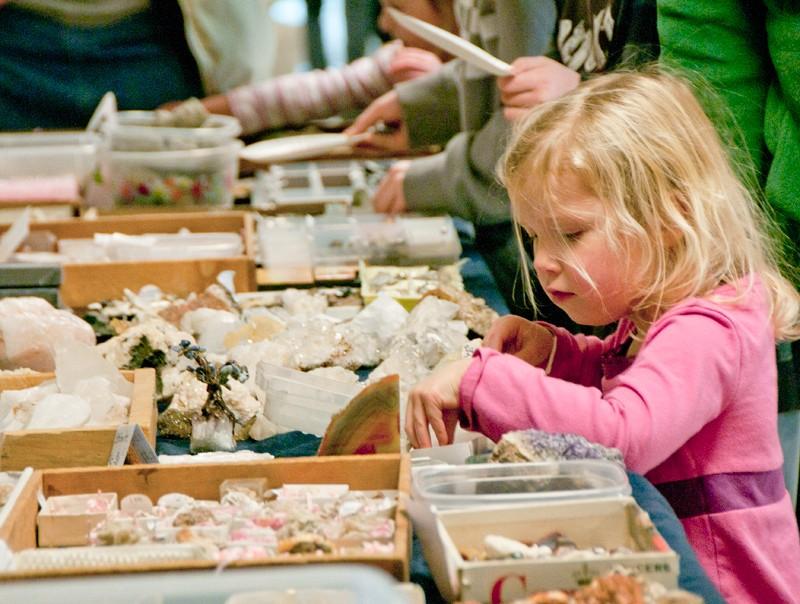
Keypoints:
pixel 637 218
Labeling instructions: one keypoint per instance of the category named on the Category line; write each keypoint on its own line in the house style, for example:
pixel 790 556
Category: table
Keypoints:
pixel 479 281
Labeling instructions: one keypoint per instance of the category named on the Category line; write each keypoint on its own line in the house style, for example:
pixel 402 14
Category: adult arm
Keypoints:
pixel 461 180
pixel 296 98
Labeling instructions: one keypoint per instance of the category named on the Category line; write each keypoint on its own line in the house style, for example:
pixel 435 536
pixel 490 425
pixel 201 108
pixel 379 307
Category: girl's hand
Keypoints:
pixel 409 63
pixel 385 109
pixel 524 339
pixel 389 196
pixel 434 402
pixel 534 80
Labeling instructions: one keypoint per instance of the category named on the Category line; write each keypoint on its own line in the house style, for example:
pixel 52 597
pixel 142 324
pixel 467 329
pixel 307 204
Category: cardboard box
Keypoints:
pixel 608 523
pixel 84 283
pixel 203 481
pixel 65 521
pixel 75 447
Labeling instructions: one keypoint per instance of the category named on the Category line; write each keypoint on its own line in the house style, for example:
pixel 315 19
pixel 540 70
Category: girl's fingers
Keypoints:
pixel 421 432
pixel 409 423
pixel 450 421
pixel 434 416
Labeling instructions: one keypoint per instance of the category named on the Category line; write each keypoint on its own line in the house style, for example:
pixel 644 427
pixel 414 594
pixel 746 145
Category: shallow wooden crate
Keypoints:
pixel 75 447
pixel 202 481
pixel 15 522
pixel 83 283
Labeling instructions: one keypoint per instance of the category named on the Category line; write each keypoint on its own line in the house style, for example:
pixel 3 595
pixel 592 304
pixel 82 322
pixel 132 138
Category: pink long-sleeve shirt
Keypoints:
pixel 695 410
pixel 297 98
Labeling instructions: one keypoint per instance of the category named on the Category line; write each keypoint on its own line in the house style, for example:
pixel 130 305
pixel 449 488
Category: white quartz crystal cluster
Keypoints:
pixel 303 330
pixel 87 391
pixel 30 330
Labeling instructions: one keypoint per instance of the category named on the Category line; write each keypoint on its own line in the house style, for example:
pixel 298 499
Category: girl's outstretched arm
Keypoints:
pixel 684 373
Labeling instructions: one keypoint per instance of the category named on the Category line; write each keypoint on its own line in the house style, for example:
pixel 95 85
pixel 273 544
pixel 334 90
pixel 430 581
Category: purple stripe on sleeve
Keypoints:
pixel 717 493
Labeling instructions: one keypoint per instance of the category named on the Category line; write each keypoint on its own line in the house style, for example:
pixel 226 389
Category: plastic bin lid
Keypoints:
pixel 449 486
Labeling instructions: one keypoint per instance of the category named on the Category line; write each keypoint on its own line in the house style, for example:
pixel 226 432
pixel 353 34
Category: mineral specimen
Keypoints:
pixel 536 445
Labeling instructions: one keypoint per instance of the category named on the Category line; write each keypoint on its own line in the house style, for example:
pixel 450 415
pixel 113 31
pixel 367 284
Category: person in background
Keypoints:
pixel 750 53
pixel 638 219
pixel 361 17
pixel 461 108
pixel 294 99
pixel 58 57
pixel 316 50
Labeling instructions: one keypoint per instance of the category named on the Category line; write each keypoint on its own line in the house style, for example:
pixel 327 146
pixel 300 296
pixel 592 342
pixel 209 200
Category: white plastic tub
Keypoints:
pixel 135 131
pixel 197 177
pixel 49 154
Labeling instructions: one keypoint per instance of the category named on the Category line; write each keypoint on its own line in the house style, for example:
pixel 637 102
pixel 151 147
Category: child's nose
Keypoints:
pixel 544 261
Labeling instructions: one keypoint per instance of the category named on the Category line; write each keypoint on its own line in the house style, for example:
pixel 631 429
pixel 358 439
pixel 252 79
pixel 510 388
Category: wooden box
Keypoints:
pixel 607 523
pixel 83 283
pixel 202 481
pixel 19 512
pixel 74 447
pixel 71 525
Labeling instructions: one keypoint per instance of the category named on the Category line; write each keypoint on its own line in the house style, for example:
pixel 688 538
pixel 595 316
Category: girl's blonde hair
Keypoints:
pixel 642 143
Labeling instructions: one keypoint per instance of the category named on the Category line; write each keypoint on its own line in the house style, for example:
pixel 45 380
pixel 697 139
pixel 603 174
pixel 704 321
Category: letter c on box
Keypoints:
pixel 497 588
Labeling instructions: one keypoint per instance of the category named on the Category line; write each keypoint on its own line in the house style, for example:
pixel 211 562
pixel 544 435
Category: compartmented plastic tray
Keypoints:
pixel 468 485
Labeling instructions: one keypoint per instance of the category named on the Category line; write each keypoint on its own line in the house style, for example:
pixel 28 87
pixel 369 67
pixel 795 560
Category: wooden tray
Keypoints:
pixel 75 447
pixel 84 283
pixel 361 472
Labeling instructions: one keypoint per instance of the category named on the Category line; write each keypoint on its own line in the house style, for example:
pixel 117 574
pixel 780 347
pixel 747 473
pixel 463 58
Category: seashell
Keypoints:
pixel 499 547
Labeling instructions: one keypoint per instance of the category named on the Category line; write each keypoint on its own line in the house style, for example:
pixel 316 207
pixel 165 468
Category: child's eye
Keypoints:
pixel 574 235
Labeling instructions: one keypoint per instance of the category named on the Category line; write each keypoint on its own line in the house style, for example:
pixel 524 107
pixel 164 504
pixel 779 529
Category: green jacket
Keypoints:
pixel 750 52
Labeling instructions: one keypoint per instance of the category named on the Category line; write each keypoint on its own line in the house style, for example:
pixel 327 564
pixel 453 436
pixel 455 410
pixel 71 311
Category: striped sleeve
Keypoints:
pixel 296 98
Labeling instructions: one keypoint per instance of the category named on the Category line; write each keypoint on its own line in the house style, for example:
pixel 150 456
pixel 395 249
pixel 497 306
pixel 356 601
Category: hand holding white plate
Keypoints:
pixel 451 43
pixel 292 148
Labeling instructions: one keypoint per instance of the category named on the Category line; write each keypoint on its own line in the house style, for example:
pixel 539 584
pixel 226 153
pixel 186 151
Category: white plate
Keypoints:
pixel 297 147
pixel 453 44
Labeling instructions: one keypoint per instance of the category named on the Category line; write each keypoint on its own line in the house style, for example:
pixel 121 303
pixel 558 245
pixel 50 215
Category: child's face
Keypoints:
pixel 421 9
pixel 571 246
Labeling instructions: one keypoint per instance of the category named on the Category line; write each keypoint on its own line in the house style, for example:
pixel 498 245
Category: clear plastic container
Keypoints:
pixel 197 177
pixel 431 239
pixel 496 483
pixel 170 246
pixel 135 131
pixel 367 585
pixel 49 154
pixel 378 239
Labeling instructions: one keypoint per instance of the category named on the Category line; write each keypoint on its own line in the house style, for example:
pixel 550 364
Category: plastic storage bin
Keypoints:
pixel 300 401
pixel 503 484
pixel 359 584
pixel 377 239
pixel 196 177
pixel 135 131
pixel 49 154
pixel 110 247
